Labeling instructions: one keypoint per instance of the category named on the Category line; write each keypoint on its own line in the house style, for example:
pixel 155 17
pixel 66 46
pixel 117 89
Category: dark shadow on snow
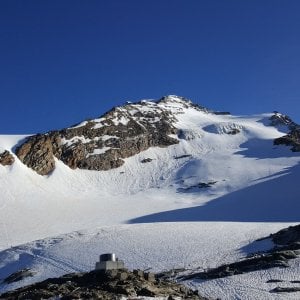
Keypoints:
pixel 22 260
pixel 261 149
pixel 259 246
pixel 274 200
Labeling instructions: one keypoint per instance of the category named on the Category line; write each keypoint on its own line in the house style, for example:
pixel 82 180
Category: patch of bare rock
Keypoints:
pixel 278 119
pixel 6 158
pixel 287 247
pixel 109 284
pixel 103 143
pixel 292 139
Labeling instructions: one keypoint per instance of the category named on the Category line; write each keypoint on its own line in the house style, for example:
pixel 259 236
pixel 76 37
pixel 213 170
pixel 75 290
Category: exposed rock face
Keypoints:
pixel 292 139
pixel 293 289
pixel 287 247
pixel 260 262
pixel 6 158
pixel 146 160
pixel 224 128
pixel 279 119
pixel 287 236
pixel 38 152
pixel 196 187
pixel 233 131
pixel 103 143
pixel 106 285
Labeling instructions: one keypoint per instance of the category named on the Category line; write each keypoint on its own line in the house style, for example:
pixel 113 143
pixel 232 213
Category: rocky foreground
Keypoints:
pixel 117 284
pixel 112 284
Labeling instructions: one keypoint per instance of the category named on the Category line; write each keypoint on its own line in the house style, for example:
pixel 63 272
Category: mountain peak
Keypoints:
pixel 174 99
pixel 124 131
pixel 104 143
pixel 279 119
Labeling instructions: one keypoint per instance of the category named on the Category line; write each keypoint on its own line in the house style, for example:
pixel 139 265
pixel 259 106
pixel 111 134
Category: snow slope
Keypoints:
pixel 157 247
pixel 252 192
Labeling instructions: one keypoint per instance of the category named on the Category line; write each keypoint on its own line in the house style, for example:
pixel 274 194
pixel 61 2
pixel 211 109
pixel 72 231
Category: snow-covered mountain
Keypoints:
pixel 165 184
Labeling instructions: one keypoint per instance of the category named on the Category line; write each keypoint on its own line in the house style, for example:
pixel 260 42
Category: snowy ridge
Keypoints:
pixel 144 111
pixel 222 186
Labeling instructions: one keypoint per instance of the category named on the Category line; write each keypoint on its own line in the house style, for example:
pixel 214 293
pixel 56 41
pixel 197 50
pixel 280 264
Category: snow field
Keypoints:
pixel 159 246
pixel 255 193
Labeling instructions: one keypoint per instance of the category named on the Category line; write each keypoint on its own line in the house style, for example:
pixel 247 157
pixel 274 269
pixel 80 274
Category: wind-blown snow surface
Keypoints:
pixel 254 191
pixel 159 247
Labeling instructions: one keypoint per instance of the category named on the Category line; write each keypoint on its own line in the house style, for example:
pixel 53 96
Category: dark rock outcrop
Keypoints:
pixel 200 185
pixel 261 262
pixel 146 160
pixel 6 158
pixel 287 247
pixel 233 131
pixel 279 119
pixel 292 289
pixel 19 275
pixel 274 281
pixel 287 236
pixel 103 143
pixel 38 152
pixel 106 285
pixel 292 139
pixel 182 156
pixel 222 113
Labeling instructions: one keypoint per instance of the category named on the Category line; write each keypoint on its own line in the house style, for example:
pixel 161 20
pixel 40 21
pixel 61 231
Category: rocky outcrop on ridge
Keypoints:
pixel 287 247
pixel 278 258
pixel 39 151
pixel 103 143
pixel 278 119
pixel 292 139
pixel 287 236
pixel 106 285
pixel 6 158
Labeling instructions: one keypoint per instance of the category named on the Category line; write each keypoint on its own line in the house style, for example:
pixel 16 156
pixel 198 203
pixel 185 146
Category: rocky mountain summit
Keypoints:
pixel 103 143
pixel 278 119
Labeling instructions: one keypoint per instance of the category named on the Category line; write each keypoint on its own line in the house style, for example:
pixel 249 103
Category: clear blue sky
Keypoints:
pixel 62 61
